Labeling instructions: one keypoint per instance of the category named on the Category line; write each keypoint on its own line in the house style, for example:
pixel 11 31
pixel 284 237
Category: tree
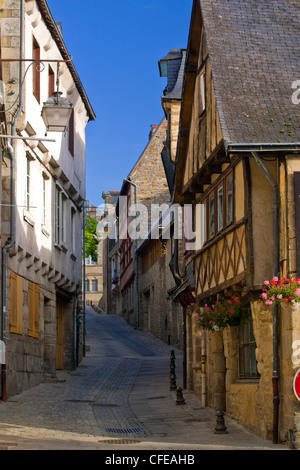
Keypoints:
pixel 91 239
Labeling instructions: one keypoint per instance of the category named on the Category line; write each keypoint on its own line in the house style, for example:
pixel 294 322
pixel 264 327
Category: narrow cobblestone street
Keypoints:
pixel 117 399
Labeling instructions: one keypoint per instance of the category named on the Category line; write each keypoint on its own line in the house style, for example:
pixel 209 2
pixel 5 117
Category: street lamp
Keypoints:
pixel 56 111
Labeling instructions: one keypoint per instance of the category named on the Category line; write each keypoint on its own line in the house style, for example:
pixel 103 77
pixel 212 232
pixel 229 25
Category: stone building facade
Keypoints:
pixel 111 302
pixel 93 270
pixel 43 178
pixel 238 159
pixel 146 184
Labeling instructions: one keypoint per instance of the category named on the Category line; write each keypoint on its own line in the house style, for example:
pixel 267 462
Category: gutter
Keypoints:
pixel 275 374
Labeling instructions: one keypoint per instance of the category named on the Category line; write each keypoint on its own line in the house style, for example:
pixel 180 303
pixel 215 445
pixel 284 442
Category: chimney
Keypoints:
pixel 153 130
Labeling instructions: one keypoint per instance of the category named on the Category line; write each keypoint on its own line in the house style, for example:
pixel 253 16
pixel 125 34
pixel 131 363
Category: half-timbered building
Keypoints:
pixel 238 158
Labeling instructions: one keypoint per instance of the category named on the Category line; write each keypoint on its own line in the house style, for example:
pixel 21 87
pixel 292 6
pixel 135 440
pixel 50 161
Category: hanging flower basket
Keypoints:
pixel 281 291
pixel 226 312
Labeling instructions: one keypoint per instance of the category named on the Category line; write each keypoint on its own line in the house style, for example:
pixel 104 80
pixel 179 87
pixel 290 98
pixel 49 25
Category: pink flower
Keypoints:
pixel 275 279
pixel 272 298
pixel 297 292
pixel 266 283
pixel 279 296
pixel 269 302
pixel 264 295
pixel 197 314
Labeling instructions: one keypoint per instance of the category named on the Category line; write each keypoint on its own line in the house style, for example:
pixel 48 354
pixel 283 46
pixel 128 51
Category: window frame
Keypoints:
pixel 245 347
pixel 94 282
pixel 51 81
pixel 16 304
pixel 33 309
pixel 213 194
pixel 36 77
pixel 202 91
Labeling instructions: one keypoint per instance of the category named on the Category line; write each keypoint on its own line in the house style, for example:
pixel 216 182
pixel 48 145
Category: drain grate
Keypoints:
pixel 124 431
pixel 120 441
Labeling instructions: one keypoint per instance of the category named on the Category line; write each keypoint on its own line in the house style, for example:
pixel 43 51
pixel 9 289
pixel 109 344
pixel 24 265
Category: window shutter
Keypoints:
pixel 13 303
pixel 33 309
pixel 16 304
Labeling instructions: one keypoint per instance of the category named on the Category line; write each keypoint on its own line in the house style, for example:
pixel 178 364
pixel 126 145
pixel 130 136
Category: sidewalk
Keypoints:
pixel 118 399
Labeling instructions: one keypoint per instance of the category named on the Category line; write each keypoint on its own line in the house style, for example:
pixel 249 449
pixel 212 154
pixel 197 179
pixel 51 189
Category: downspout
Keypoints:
pixel 136 256
pixel 275 375
pixel 11 152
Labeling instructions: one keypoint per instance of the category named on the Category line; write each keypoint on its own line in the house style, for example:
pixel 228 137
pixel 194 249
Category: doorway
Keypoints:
pixel 59 333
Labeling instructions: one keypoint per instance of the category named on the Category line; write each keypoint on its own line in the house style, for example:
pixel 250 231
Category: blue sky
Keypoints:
pixel 116 46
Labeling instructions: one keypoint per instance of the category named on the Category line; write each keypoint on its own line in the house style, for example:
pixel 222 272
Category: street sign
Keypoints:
pixel 296 384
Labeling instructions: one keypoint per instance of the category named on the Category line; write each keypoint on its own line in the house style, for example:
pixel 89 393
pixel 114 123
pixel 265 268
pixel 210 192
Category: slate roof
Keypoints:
pixel 254 50
pixel 176 92
pixel 175 59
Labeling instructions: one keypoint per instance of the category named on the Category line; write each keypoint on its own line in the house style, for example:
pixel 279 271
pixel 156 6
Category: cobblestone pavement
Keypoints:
pixel 118 398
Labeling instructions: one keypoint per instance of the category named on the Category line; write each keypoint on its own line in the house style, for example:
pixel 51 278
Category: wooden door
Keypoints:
pixel 59 333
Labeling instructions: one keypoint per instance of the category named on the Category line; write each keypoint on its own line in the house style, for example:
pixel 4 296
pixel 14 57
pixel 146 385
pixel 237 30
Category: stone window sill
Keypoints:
pixel 45 231
pixel 28 217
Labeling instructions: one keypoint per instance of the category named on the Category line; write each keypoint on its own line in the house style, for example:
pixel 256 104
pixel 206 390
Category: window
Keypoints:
pixel 94 285
pixel 229 199
pixel 220 208
pixel 60 199
pixel 246 348
pixel 203 226
pixel 28 164
pixel 211 215
pixel 72 230
pixel 36 55
pixel 87 285
pixel 202 100
pixel 51 82
pixel 57 214
pixel 71 134
pixel 16 304
pixel 33 309
pixel 45 195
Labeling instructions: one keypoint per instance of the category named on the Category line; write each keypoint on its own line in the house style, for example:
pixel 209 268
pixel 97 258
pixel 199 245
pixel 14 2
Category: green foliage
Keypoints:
pixel 91 241
pixel 226 312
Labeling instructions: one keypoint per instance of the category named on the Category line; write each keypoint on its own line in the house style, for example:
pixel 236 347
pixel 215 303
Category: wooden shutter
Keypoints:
pixel 33 309
pixel 36 55
pixel 16 304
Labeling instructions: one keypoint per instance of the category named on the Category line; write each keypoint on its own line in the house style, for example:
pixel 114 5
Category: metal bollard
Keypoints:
pixel 220 426
pixel 179 400
pixel 172 361
pixel 173 385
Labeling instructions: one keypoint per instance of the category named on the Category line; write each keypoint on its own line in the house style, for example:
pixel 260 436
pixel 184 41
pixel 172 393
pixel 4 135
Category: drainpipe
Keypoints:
pixel 275 376
pixel 136 255
pixel 11 153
